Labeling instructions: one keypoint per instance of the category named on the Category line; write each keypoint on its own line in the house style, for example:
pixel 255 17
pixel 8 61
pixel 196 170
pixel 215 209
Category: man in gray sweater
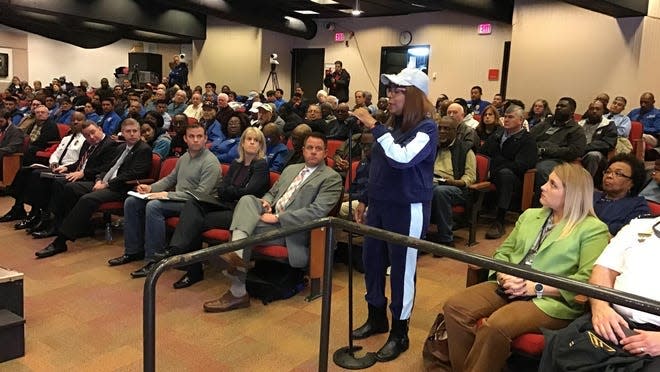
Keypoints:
pixel 197 171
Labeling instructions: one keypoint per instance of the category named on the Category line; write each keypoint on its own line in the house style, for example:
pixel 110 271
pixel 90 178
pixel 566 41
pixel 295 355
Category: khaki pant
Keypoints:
pixel 488 347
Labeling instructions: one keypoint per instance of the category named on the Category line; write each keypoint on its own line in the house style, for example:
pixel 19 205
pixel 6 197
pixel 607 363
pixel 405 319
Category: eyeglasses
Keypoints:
pixel 394 89
pixel 616 174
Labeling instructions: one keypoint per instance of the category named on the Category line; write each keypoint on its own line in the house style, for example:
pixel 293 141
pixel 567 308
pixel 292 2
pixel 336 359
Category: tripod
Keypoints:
pixel 272 75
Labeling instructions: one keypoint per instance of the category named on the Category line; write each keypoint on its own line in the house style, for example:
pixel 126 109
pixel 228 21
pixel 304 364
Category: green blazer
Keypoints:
pixel 572 256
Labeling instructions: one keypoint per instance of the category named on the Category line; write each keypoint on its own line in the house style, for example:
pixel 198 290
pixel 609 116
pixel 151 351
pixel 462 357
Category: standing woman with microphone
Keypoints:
pixel 399 196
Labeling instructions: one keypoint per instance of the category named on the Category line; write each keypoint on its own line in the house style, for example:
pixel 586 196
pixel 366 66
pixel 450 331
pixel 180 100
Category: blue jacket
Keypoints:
pixel 92 116
pixel 402 164
pixel 214 132
pixel 226 150
pixel 64 117
pixel 359 185
pixel 110 123
pixel 276 156
pixel 650 119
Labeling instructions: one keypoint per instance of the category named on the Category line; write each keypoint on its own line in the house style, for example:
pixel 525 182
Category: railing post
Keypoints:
pixel 149 321
pixel 327 297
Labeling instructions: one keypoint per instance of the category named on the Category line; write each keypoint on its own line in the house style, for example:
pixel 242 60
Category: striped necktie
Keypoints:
pixel 281 204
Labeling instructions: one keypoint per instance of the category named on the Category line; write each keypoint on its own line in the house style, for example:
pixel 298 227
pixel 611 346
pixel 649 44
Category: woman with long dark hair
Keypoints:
pixel 399 196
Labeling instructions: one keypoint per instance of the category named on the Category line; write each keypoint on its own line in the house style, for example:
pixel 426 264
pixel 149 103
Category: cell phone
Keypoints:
pixel 628 332
pixel 442 180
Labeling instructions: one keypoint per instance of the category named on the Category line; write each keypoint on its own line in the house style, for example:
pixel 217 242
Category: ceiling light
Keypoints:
pixel 356 11
pixel 306 12
pixel 418 5
pixel 325 2
pixel 419 51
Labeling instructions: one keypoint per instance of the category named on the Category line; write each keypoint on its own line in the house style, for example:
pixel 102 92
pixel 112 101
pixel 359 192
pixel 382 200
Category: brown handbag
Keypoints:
pixel 436 347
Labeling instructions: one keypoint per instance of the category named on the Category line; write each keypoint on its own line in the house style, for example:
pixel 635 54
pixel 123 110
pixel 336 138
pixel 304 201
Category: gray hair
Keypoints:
pixel 516 110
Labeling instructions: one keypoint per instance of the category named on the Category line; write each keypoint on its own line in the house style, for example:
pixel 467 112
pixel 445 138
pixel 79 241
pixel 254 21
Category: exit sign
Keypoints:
pixel 485 29
pixel 339 36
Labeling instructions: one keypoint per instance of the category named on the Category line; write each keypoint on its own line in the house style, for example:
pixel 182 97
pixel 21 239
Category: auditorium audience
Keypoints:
pixel 79 200
pixel 539 113
pixel 558 138
pixel 489 123
pixel 614 337
pixel 562 238
pixel 247 175
pixel 197 172
pixel 464 132
pixel 455 169
pixel 320 189
pixel 226 150
pixel 601 135
pixel 476 104
pixel 154 135
pixel 512 151
pixel 619 202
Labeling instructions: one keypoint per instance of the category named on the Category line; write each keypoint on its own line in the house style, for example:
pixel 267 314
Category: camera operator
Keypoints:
pixel 179 71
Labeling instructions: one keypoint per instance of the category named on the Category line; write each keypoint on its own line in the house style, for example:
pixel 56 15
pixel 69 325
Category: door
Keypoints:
pixel 307 71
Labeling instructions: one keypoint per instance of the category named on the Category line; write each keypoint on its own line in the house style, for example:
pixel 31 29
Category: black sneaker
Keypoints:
pixel 495 231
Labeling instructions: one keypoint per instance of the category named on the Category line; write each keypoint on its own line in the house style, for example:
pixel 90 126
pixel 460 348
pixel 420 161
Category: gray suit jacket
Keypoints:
pixel 12 142
pixel 315 198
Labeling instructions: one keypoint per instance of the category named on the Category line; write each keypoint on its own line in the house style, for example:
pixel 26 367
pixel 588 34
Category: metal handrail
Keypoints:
pixel 149 305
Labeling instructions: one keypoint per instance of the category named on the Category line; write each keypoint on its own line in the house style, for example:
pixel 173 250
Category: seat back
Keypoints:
pixel 167 167
pixel 224 168
pixel 354 166
pixel 635 137
pixel 655 208
pixel 63 129
pixel 192 121
pixel 333 145
pixel 273 177
pixel 483 168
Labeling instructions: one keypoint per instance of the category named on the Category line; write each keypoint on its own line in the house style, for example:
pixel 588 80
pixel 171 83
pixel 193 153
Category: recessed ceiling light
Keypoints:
pixel 306 12
pixel 325 2
pixel 351 11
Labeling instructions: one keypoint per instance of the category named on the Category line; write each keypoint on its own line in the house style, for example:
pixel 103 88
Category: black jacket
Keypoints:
pixel 136 165
pixel 98 161
pixel 517 153
pixel 256 183
pixel 562 141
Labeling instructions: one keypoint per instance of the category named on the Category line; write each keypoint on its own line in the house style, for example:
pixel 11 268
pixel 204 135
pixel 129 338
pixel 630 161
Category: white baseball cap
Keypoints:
pixel 408 77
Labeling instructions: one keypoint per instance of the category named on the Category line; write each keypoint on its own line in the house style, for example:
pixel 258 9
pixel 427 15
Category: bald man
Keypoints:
pixel 464 132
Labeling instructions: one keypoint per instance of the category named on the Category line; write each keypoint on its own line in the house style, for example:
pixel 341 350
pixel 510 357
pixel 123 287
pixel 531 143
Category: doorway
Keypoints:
pixel 395 59
pixel 307 70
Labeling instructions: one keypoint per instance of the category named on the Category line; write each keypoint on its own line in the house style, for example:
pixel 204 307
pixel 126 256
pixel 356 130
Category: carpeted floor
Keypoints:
pixel 83 315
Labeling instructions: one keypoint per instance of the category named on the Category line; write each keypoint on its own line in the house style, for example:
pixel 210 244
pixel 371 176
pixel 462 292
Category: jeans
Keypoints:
pixel 144 224
pixel 444 196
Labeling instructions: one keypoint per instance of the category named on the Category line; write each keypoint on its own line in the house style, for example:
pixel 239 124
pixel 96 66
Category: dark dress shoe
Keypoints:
pixel 187 280
pixel 168 252
pixel 47 233
pixel 143 271
pixel 396 344
pixel 121 260
pixel 50 250
pixel 13 215
pixel 31 220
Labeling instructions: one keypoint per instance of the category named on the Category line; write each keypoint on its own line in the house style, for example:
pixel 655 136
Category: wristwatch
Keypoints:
pixel 538 288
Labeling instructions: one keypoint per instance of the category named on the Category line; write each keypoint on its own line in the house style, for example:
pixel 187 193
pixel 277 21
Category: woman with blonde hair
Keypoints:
pixel 565 238
pixel 247 175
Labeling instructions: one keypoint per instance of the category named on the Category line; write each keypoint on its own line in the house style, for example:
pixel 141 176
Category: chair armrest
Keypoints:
pixel 480 186
pixel 475 275
pixel 528 189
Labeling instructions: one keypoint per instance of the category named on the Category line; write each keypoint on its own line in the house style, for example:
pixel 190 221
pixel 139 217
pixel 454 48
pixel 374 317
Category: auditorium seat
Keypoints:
pixel 470 210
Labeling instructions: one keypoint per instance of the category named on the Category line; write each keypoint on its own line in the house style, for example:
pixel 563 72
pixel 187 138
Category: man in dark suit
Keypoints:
pixel 304 192
pixel 512 152
pixel 133 161
pixel 96 156
pixel 11 142
pixel 41 133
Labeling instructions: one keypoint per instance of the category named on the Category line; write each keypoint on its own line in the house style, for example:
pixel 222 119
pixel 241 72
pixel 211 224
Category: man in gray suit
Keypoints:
pixel 304 192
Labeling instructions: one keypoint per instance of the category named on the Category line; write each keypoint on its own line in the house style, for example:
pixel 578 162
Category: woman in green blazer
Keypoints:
pixel 564 238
